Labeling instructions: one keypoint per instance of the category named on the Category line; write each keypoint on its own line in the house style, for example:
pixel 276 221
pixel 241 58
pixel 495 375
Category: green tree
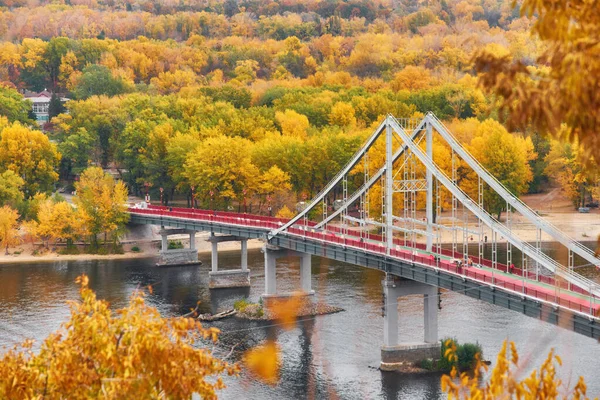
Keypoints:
pixel 104 201
pixel 98 80
pixel 55 107
pixel 13 106
pixel 56 49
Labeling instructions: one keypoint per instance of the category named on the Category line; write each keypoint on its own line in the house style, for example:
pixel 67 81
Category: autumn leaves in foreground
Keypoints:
pixel 134 352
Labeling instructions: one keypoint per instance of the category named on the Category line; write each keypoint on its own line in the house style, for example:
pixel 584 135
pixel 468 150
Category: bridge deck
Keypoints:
pixel 546 289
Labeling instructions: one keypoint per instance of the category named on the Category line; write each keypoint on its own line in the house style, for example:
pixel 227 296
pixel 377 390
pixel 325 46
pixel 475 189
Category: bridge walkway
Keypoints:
pixel 547 289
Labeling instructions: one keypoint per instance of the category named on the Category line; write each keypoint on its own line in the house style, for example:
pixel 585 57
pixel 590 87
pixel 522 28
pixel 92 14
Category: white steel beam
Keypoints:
pixel 371 181
pixel 517 204
pixel 542 258
pixel 337 179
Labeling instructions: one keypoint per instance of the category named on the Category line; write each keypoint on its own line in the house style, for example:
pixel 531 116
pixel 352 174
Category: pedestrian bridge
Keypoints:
pixel 541 297
pixel 434 234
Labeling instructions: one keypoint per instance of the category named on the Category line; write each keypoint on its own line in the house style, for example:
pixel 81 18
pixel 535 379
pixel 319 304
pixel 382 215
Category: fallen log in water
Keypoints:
pixel 215 317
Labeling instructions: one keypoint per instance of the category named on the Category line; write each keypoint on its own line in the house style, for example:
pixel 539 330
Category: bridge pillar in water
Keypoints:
pixel 177 257
pixel 230 278
pixel 272 253
pixel 396 354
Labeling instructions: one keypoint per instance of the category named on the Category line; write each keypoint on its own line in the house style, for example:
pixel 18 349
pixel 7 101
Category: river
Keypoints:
pixel 333 356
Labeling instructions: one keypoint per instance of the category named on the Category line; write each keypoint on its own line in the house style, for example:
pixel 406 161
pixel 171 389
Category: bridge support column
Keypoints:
pixel 394 353
pixel 231 278
pixel 272 253
pixel 177 257
pixel 305 273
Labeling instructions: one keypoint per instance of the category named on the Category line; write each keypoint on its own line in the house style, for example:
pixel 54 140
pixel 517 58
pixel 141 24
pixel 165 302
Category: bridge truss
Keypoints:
pixel 417 201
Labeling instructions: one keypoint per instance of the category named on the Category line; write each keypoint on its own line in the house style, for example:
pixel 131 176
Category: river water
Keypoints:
pixel 333 356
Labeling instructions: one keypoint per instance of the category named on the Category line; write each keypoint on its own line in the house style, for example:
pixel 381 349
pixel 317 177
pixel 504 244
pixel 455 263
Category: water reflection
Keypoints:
pixel 334 356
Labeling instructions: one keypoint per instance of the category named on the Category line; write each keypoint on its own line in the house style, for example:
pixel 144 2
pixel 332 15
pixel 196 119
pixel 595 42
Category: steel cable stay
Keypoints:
pixel 336 179
pixel 531 251
pixel 512 200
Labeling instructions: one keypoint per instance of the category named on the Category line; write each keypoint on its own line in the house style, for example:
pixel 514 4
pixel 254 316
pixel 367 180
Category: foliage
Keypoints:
pixel 264 362
pixel 97 80
pixel 223 165
pixel 10 188
pixel 59 221
pixel 103 201
pixel 285 212
pixel 506 156
pixel 565 167
pixel 9 236
pixel 504 379
pixel 462 357
pixel 30 155
pixel 240 305
pixel 128 353
pixel 175 244
pixel 566 89
pixel 55 106
pixel 12 105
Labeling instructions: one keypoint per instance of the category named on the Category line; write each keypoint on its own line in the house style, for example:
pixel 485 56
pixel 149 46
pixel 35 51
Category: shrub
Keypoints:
pixel 135 249
pixel 69 250
pixel 463 357
pixel 175 244
pixel 467 355
pixel 445 363
pixel 427 364
pixel 240 305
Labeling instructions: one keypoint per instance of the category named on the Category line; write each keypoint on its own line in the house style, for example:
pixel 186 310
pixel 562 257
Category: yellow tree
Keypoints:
pixel 565 167
pixel 505 155
pixel 30 155
pixel 411 78
pixel 292 124
pixel 342 114
pixel 274 182
pixel 222 165
pixel 9 236
pixel 567 90
pixel 104 201
pixel 10 187
pixel 60 222
pixel 128 353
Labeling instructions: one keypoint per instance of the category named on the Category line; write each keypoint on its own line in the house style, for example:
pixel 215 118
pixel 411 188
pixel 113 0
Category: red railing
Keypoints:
pixel 352 239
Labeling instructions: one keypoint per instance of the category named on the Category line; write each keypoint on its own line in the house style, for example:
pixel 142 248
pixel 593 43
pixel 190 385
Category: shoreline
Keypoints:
pixel 581 227
pixel 148 249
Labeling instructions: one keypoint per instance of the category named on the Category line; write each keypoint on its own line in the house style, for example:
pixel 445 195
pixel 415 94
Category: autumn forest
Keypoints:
pixel 278 94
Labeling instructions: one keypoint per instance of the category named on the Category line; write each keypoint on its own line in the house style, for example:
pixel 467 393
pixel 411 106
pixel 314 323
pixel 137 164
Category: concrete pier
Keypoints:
pixel 394 353
pixel 231 278
pixel 272 253
pixel 177 257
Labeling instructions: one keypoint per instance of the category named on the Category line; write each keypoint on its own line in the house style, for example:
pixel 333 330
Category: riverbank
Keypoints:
pixel 146 248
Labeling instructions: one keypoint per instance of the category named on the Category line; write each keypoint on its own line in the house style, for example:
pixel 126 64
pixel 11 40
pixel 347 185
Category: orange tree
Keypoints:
pixel 124 354
pixel 562 95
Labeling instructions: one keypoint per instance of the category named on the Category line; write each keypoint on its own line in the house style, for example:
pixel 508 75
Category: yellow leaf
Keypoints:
pixel 263 361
